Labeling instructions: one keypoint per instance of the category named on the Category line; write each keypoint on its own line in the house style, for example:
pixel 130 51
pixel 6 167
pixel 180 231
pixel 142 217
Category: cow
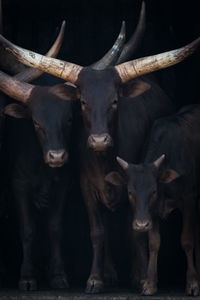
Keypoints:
pixel 166 179
pixel 101 91
pixel 41 173
pixel 26 75
pixel 34 181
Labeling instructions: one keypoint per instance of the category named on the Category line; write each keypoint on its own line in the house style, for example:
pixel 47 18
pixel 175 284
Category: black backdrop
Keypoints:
pixel 92 27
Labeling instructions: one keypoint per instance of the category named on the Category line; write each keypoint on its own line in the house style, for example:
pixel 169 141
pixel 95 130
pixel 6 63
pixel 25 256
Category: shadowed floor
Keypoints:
pixel 74 295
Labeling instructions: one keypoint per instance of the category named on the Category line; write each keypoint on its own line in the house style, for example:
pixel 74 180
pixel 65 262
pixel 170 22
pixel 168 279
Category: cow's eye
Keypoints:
pixel 83 102
pixel 131 196
pixel 37 125
pixel 130 193
pixel 154 192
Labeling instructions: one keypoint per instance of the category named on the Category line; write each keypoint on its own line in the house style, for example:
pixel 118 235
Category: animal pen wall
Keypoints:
pixel 92 27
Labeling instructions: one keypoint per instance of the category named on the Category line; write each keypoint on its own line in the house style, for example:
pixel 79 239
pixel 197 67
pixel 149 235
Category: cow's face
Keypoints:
pixel 51 113
pixel 142 193
pixel 98 96
pixel 99 91
pixel 142 185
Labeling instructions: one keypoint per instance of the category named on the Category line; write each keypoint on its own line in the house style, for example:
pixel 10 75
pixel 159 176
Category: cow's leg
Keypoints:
pixel 57 275
pixel 95 282
pixel 150 283
pixel 139 258
pixel 27 232
pixel 110 274
pixel 187 241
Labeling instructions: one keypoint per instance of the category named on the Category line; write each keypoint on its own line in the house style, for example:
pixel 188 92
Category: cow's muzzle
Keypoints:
pixel 99 142
pixel 56 158
pixel 144 225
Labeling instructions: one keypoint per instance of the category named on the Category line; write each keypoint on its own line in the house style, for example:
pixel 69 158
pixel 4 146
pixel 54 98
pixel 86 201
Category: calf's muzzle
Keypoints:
pixel 99 142
pixel 144 225
pixel 56 158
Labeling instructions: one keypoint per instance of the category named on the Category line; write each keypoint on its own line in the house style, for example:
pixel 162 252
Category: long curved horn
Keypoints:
pixel 14 88
pixel 134 42
pixel 31 74
pixel 145 65
pixel 122 163
pixel 65 70
pixel 112 55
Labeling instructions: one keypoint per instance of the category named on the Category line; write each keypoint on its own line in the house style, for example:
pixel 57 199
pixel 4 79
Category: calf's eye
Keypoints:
pixel 114 103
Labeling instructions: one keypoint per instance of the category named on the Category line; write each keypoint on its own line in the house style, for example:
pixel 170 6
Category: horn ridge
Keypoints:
pixel 65 70
pixel 145 65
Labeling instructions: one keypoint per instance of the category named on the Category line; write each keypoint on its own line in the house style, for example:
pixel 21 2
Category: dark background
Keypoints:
pixel 92 27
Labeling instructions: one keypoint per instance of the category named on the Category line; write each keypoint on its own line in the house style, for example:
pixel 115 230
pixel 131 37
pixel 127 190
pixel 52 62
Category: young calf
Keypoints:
pixel 165 181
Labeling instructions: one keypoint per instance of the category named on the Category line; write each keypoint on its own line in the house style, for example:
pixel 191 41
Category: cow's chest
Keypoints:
pixel 99 189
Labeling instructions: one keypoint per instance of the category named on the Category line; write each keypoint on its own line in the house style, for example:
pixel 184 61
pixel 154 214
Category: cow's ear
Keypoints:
pixel 168 175
pixel 66 91
pixel 114 178
pixel 17 111
pixel 134 89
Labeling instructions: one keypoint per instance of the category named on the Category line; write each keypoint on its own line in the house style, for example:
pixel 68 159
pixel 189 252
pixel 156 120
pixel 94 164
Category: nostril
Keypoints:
pixel 106 139
pixel 146 225
pixel 57 156
pixel 142 225
pixel 99 142
pixel 51 155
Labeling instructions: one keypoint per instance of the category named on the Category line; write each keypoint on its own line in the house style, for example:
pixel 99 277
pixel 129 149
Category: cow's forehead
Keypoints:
pixel 98 81
pixel 44 103
pixel 142 175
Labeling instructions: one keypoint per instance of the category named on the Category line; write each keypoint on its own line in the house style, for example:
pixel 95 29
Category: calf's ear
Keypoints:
pixel 114 178
pixel 17 111
pixel 134 89
pixel 168 175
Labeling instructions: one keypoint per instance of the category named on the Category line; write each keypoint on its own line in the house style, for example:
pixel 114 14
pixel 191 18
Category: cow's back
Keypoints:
pixel 136 117
pixel 178 138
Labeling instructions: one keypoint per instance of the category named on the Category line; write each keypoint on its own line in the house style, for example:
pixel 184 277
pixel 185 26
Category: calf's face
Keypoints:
pixel 142 185
pixel 52 119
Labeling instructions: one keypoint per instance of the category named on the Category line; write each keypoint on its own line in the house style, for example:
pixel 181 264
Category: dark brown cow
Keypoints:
pixel 45 138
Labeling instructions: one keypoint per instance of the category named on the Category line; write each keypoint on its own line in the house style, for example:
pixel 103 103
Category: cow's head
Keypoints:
pixel 98 87
pixel 20 92
pixel 50 109
pixel 142 183
pixel 99 92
